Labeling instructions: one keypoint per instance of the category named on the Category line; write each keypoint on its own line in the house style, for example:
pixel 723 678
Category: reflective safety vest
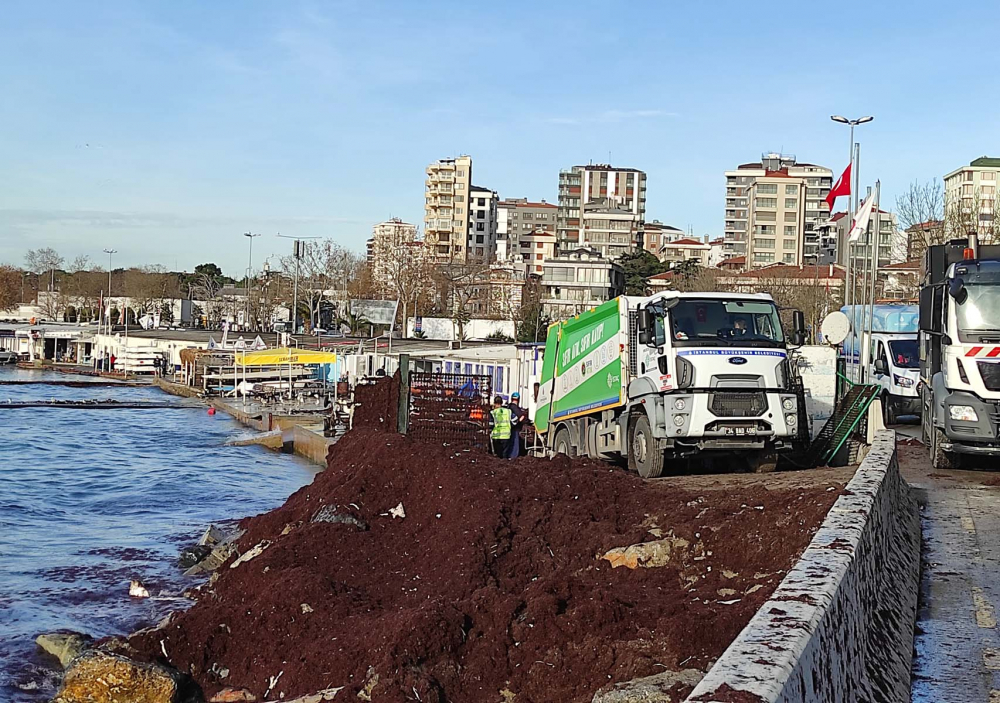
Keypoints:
pixel 501 423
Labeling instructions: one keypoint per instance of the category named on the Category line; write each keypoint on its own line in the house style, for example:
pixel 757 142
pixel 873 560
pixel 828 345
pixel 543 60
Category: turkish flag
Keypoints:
pixel 841 187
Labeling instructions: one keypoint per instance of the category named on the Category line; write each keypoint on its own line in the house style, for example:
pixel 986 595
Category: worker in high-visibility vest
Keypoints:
pixel 500 433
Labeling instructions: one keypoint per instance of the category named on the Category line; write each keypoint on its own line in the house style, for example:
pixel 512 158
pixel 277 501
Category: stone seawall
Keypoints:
pixel 840 625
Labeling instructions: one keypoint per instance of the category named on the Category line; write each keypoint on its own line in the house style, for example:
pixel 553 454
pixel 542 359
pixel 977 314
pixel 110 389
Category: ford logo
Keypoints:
pixel 737 360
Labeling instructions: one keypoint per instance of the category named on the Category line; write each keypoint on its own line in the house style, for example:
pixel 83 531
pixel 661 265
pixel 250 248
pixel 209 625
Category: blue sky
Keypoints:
pixel 165 130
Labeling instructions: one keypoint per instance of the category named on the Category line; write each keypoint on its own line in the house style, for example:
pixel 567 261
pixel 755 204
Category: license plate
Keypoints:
pixel 740 430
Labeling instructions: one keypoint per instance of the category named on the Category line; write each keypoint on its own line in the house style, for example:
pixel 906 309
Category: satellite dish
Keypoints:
pixel 836 326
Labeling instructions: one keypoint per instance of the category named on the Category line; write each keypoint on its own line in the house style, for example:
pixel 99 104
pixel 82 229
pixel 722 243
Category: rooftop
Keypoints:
pixel 985 161
pixel 685 242
pixel 521 202
pixel 903 266
pixel 786 271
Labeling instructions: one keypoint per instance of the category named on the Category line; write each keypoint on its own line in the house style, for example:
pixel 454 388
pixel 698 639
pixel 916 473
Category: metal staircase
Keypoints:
pixel 850 410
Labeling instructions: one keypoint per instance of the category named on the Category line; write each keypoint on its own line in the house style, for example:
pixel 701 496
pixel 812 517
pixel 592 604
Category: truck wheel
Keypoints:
pixel 940 459
pixel 644 450
pixel 562 443
pixel 888 412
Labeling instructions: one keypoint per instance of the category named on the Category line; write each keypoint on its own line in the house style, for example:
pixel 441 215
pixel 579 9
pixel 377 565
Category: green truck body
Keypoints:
pixel 584 368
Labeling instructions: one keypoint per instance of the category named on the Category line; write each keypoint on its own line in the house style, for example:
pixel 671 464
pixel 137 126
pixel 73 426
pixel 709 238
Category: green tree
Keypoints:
pixel 639 265
pixel 533 323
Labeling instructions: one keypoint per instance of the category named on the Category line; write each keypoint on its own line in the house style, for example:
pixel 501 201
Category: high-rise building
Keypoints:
pixel 773 209
pixel 481 243
pixel 969 197
pixel 446 213
pixel 579 279
pixel 891 243
pixel 520 216
pixel 387 239
pixel 601 206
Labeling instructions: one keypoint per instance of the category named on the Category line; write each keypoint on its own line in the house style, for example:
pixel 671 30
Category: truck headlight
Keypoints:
pixel 902 381
pixel 679 404
pixel 788 404
pixel 678 420
pixel 963 413
pixel 792 420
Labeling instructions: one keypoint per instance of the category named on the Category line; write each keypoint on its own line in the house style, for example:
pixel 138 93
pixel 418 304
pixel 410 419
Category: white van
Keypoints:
pixel 896 367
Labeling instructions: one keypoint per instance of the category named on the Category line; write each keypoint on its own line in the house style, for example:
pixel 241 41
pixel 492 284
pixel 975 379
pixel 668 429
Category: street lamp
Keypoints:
pixel 109 252
pixel 249 236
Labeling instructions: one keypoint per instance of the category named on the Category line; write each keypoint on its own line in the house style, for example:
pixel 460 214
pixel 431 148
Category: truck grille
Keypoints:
pixel 991 374
pixel 723 404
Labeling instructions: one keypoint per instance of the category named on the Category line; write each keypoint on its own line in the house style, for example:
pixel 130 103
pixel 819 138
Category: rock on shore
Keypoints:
pixel 100 677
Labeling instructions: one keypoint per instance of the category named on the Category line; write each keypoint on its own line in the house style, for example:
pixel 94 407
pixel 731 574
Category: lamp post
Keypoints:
pixel 249 236
pixel 298 249
pixel 854 152
pixel 109 252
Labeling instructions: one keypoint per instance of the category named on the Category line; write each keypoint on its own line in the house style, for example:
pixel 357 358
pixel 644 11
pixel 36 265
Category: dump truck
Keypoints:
pixel 960 351
pixel 672 375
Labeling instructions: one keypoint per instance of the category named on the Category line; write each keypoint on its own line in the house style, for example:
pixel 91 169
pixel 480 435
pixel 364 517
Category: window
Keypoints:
pixel 479 239
pixel 791 190
pixel 527 215
pixel 967 176
pixel 766 216
pixel 539 245
pixel 763 257
pixel 791 216
pixel 791 203
pixel 790 231
pixel 988 176
pixel 788 258
pixel 766 202
pixel 789 244
pixel 480 214
pixel 768 188
pixel 459 210
pixel 482 202
pixel 480 226
pixel 988 190
pixel 460 173
pixel 459 186
pixel 538 257
pixel 765 244
pixel 967 190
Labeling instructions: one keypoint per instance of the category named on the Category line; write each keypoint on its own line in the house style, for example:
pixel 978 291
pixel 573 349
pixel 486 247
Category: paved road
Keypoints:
pixel 957 644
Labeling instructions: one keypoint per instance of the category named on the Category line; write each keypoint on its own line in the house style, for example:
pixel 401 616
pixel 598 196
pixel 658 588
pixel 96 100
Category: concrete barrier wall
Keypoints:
pixel 839 628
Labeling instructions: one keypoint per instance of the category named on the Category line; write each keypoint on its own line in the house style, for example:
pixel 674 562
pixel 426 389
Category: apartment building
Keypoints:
pixel 655 234
pixel 969 197
pixel 577 280
pixel 891 242
pixel 446 214
pixel 520 216
pixel 534 248
pixel 687 249
pixel 389 240
pixel 773 209
pixel 608 190
pixel 481 243
pixel 922 234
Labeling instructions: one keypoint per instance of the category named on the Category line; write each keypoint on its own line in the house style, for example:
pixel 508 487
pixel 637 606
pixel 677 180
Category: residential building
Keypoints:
pixel 861 251
pixel 655 234
pixel 831 278
pixel 604 186
pixel 772 209
pixel 534 249
pixel 716 251
pixel 609 228
pixel 482 240
pixel 577 280
pixel 446 215
pixel 969 195
pixel 900 281
pixel 519 216
pixel 920 235
pixel 680 251
pixel 389 240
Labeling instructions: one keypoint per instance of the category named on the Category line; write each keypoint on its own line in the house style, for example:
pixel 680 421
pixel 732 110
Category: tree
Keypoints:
pixel 10 287
pixel 920 213
pixel 44 260
pixel 355 322
pixel 971 212
pixel 532 322
pixel 639 265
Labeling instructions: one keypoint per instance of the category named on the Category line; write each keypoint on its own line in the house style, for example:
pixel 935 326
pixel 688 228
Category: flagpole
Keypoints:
pixel 874 279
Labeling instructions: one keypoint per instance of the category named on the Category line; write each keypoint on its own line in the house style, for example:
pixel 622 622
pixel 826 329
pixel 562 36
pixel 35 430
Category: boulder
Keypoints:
pixel 100 677
pixel 658 688
pixel 63 645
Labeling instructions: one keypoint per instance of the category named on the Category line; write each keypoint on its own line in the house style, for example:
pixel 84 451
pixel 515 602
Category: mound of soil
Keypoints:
pixel 377 404
pixel 492 587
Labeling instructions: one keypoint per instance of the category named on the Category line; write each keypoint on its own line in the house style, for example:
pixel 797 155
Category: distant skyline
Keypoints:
pixel 166 130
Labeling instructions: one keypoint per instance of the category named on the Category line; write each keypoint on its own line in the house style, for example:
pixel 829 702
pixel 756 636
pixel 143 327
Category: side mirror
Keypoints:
pixel 799 323
pixel 956 289
pixel 647 325
pixel 881 368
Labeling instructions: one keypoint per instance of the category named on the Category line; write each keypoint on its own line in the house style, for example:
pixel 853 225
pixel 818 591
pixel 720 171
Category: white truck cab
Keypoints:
pixel 896 367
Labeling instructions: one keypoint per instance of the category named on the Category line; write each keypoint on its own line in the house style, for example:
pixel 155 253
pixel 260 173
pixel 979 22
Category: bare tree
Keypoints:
pixel 81 263
pixel 970 210
pixel 920 214
pixel 44 260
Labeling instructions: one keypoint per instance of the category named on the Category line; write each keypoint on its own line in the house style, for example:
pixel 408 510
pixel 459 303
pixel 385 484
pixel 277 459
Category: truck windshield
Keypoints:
pixel 905 354
pixel 978 313
pixel 725 323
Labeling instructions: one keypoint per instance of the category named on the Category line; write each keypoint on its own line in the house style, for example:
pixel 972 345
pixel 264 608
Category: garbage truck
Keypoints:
pixel 672 375
pixel 960 351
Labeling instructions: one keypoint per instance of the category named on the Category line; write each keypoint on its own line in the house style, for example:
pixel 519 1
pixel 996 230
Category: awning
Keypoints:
pixel 285 355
